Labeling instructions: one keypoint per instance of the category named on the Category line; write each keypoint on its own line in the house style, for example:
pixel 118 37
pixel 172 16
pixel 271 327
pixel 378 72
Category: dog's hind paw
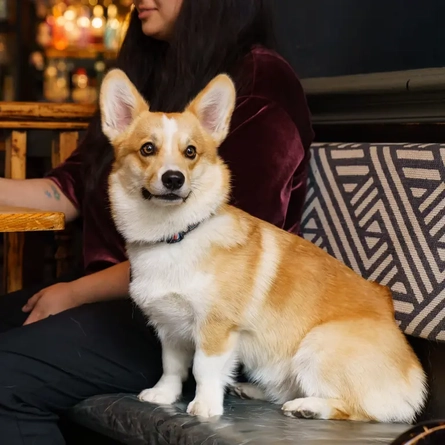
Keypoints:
pixel 317 408
pixel 247 391
pixel 306 408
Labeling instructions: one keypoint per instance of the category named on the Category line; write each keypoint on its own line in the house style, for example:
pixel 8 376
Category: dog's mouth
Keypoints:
pixel 171 197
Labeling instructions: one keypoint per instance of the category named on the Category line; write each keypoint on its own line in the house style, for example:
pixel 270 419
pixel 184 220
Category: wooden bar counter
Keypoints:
pixel 19 219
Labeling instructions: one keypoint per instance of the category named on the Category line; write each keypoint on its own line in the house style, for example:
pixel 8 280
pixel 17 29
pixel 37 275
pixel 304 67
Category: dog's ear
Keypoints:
pixel 120 103
pixel 214 106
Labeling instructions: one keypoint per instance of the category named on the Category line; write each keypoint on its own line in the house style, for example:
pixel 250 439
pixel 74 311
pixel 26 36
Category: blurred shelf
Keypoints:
pixel 90 52
pixel 6 27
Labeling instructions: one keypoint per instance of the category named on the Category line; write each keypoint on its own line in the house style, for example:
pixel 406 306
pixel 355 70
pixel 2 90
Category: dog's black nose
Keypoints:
pixel 173 180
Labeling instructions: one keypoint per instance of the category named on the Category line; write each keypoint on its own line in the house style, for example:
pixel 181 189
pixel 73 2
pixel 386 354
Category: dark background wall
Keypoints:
pixel 341 37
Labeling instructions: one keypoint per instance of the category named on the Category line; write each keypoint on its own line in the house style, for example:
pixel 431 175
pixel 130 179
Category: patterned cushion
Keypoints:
pixel 380 208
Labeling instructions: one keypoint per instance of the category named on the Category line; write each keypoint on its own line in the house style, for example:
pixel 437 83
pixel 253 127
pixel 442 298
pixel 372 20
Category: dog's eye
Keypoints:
pixel 190 152
pixel 147 149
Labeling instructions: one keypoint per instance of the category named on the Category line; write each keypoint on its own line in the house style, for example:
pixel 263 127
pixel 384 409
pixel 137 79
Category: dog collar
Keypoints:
pixel 178 237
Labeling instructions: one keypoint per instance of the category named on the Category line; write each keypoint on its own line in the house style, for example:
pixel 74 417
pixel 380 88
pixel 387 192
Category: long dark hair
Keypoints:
pixel 210 37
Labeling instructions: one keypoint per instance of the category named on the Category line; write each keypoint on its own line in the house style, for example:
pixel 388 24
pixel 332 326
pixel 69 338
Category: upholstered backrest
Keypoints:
pixel 380 208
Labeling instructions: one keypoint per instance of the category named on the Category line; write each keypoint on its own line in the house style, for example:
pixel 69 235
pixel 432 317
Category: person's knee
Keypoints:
pixel 14 391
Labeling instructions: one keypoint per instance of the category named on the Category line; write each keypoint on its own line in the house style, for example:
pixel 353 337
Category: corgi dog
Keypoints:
pixel 222 287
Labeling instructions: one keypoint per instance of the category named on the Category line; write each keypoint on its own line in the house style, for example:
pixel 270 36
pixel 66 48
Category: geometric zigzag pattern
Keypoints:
pixel 380 208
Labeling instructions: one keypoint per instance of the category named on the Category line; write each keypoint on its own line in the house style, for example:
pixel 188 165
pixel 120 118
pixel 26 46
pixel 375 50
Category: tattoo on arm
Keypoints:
pixel 54 194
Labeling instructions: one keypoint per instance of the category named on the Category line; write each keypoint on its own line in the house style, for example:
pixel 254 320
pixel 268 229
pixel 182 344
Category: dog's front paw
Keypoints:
pixel 161 395
pixel 204 408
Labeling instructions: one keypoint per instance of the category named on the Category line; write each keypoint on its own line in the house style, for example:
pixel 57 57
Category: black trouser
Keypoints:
pixel 49 366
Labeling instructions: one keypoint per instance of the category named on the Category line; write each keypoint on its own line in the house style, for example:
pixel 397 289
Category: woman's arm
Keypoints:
pixel 61 191
pixel 109 284
pixel 41 194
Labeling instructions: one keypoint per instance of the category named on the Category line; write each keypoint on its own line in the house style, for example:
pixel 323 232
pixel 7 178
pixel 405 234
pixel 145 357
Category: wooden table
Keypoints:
pixel 19 219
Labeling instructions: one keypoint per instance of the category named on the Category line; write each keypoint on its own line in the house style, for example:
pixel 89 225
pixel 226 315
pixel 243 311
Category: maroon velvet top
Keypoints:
pixel 267 151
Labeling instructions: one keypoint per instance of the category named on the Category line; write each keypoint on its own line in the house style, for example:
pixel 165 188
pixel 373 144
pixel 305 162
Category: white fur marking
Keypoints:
pixel 265 275
pixel 277 377
pixel 212 374
pixel 170 128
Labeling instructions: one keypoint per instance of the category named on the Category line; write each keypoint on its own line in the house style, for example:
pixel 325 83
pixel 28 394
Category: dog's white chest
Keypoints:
pixel 167 286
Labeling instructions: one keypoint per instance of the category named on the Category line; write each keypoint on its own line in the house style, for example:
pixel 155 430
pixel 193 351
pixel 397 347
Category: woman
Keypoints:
pixel 68 350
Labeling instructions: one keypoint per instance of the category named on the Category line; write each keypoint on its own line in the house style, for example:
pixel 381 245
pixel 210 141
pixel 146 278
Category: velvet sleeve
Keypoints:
pixel 263 151
pixel 69 178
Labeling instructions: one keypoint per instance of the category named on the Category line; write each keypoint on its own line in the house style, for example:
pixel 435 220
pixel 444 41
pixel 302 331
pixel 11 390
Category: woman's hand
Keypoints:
pixel 108 284
pixel 50 301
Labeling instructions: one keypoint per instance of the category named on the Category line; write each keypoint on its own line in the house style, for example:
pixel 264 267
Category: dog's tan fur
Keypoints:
pixel 309 330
